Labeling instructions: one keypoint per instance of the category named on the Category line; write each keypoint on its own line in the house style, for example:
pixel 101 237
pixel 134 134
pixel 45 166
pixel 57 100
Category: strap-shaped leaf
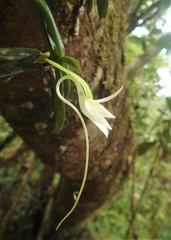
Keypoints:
pixel 102 7
pixel 145 146
pixel 51 27
pixel 12 54
pixel 71 61
pixel 16 67
pixel 89 5
pixel 168 101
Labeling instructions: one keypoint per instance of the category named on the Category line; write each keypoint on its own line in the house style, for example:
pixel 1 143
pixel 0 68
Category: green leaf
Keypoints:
pixel 168 101
pixel 89 5
pixel 144 44
pixel 165 4
pixel 71 61
pixel 164 42
pixel 145 146
pixel 102 7
pixel 59 107
pixel 166 135
pixel 12 54
pixel 156 31
pixel 18 66
pixel 135 39
pixel 51 27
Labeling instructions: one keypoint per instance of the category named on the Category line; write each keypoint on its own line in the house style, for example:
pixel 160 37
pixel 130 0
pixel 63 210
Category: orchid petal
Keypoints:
pixel 106 99
pixel 101 109
pixel 93 114
pixel 102 128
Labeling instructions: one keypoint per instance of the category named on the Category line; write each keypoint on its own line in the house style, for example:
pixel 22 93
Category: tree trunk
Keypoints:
pixel 26 103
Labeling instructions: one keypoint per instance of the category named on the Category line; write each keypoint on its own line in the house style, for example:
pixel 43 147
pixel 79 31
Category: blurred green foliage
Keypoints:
pixel 18 190
pixel 142 209
pixel 4 129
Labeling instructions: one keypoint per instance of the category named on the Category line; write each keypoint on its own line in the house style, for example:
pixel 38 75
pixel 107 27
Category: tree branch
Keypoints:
pixel 146 57
pixel 146 15
pixel 150 10
pixel 132 13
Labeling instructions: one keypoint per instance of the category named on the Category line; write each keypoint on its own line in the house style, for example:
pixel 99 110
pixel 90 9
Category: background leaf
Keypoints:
pixel 168 101
pixel 145 146
pixel 71 61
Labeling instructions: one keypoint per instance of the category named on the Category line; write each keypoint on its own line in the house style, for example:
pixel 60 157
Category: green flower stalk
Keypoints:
pixel 77 198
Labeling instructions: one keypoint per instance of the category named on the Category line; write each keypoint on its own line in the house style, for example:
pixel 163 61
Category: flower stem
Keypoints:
pixel 72 75
pixel 87 149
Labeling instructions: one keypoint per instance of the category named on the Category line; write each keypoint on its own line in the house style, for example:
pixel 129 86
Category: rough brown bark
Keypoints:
pixel 26 103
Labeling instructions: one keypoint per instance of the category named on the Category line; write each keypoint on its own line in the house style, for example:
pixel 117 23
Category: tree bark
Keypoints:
pixel 26 103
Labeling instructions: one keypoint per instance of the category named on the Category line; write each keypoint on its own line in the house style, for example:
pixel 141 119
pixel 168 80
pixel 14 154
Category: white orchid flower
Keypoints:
pixel 96 112
pixel 93 109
